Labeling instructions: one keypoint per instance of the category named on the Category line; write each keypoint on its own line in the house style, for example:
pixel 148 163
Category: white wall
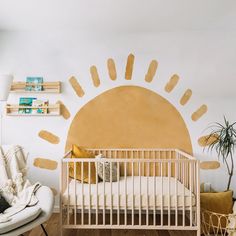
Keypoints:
pixel 205 62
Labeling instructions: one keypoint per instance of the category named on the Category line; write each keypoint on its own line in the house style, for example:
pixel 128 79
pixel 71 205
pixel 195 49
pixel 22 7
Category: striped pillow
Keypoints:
pixel 108 166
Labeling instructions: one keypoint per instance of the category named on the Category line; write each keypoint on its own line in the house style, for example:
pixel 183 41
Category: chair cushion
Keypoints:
pixel 20 219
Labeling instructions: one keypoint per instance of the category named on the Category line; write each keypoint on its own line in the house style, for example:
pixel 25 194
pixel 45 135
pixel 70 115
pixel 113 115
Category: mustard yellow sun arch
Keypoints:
pixel 129 117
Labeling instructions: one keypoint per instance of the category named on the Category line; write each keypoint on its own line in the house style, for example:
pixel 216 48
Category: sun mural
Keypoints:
pixel 128 117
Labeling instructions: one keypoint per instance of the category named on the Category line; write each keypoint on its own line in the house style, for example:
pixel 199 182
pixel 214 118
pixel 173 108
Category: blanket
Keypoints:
pixel 14 185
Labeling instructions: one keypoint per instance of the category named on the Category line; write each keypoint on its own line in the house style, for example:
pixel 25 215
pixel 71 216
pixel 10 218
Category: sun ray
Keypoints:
pixel 199 112
pixel 64 111
pixel 95 76
pixel 49 137
pixel 45 164
pixel 129 67
pixel 209 165
pixel 76 86
pixel 186 96
pixel 172 83
pixel 111 69
pixel 151 71
pixel 207 140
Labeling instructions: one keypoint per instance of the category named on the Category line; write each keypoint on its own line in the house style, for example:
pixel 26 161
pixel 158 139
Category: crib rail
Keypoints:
pixel 153 189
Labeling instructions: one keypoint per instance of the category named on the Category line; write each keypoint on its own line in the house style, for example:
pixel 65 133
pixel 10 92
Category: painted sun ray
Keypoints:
pixel 95 76
pixel 172 83
pixel 129 67
pixel 151 71
pixel 76 86
pixel 64 111
pixel 207 140
pixel 44 163
pixel 49 137
pixel 111 66
pixel 199 112
pixel 186 97
pixel 209 165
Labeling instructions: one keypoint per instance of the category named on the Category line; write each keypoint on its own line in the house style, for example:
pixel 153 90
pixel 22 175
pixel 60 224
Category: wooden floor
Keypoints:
pixel 52 227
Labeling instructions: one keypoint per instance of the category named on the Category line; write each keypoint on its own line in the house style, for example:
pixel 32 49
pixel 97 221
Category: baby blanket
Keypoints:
pixel 14 185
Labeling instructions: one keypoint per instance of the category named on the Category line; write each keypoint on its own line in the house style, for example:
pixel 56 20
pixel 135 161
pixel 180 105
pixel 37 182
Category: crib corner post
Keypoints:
pixel 60 199
pixel 198 200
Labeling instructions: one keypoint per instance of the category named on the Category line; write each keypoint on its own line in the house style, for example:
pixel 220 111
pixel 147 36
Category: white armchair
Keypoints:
pixel 31 217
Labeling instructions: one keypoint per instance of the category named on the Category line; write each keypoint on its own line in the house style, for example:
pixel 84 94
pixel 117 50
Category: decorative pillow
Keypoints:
pixel 220 202
pixel 3 204
pixel 108 166
pixel 79 152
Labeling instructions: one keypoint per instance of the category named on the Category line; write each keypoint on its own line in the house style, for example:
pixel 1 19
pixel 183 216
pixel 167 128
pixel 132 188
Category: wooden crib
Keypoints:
pixel 155 189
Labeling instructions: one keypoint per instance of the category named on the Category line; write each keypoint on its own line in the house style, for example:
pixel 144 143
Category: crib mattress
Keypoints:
pixel 145 197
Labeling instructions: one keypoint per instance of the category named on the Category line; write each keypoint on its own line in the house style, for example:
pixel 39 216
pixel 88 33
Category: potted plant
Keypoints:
pixel 222 139
pixel 224 136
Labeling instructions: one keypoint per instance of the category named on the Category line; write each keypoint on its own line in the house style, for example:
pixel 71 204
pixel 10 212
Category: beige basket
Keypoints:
pixel 213 223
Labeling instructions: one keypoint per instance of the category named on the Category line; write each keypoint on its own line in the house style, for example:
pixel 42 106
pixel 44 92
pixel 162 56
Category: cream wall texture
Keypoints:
pixel 204 60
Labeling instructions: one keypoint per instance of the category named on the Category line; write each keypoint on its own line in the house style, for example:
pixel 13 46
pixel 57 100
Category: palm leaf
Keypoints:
pixel 225 143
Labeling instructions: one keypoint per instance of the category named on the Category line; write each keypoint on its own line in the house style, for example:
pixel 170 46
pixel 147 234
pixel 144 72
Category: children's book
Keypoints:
pixel 40 106
pixel 27 102
pixel 34 84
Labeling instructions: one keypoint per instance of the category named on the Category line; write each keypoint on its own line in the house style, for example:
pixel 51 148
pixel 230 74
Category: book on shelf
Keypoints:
pixel 27 102
pixel 34 84
pixel 40 106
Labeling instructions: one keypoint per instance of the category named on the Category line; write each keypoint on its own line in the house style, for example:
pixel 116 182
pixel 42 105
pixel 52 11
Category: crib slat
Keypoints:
pixel 68 193
pixel 176 191
pixel 125 193
pixel 198 194
pixel 96 166
pixel 75 195
pixel 118 197
pixel 89 173
pixel 82 198
pixel 183 169
pixel 147 194
pixel 161 193
pixel 169 173
pixel 104 195
pixel 154 190
pixel 111 199
pixel 133 199
pixel 143 164
pixel 140 196
pixel 195 188
pixel 190 194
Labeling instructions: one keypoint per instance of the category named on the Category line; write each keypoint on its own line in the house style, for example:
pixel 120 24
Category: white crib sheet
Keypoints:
pixel 133 194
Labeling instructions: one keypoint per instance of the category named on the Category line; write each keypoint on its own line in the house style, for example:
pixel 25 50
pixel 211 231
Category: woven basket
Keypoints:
pixel 213 223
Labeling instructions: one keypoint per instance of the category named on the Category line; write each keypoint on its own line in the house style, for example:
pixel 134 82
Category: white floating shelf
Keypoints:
pixel 48 87
pixel 52 110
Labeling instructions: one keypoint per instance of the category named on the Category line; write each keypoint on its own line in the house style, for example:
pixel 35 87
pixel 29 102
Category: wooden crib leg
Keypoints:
pixel 199 232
